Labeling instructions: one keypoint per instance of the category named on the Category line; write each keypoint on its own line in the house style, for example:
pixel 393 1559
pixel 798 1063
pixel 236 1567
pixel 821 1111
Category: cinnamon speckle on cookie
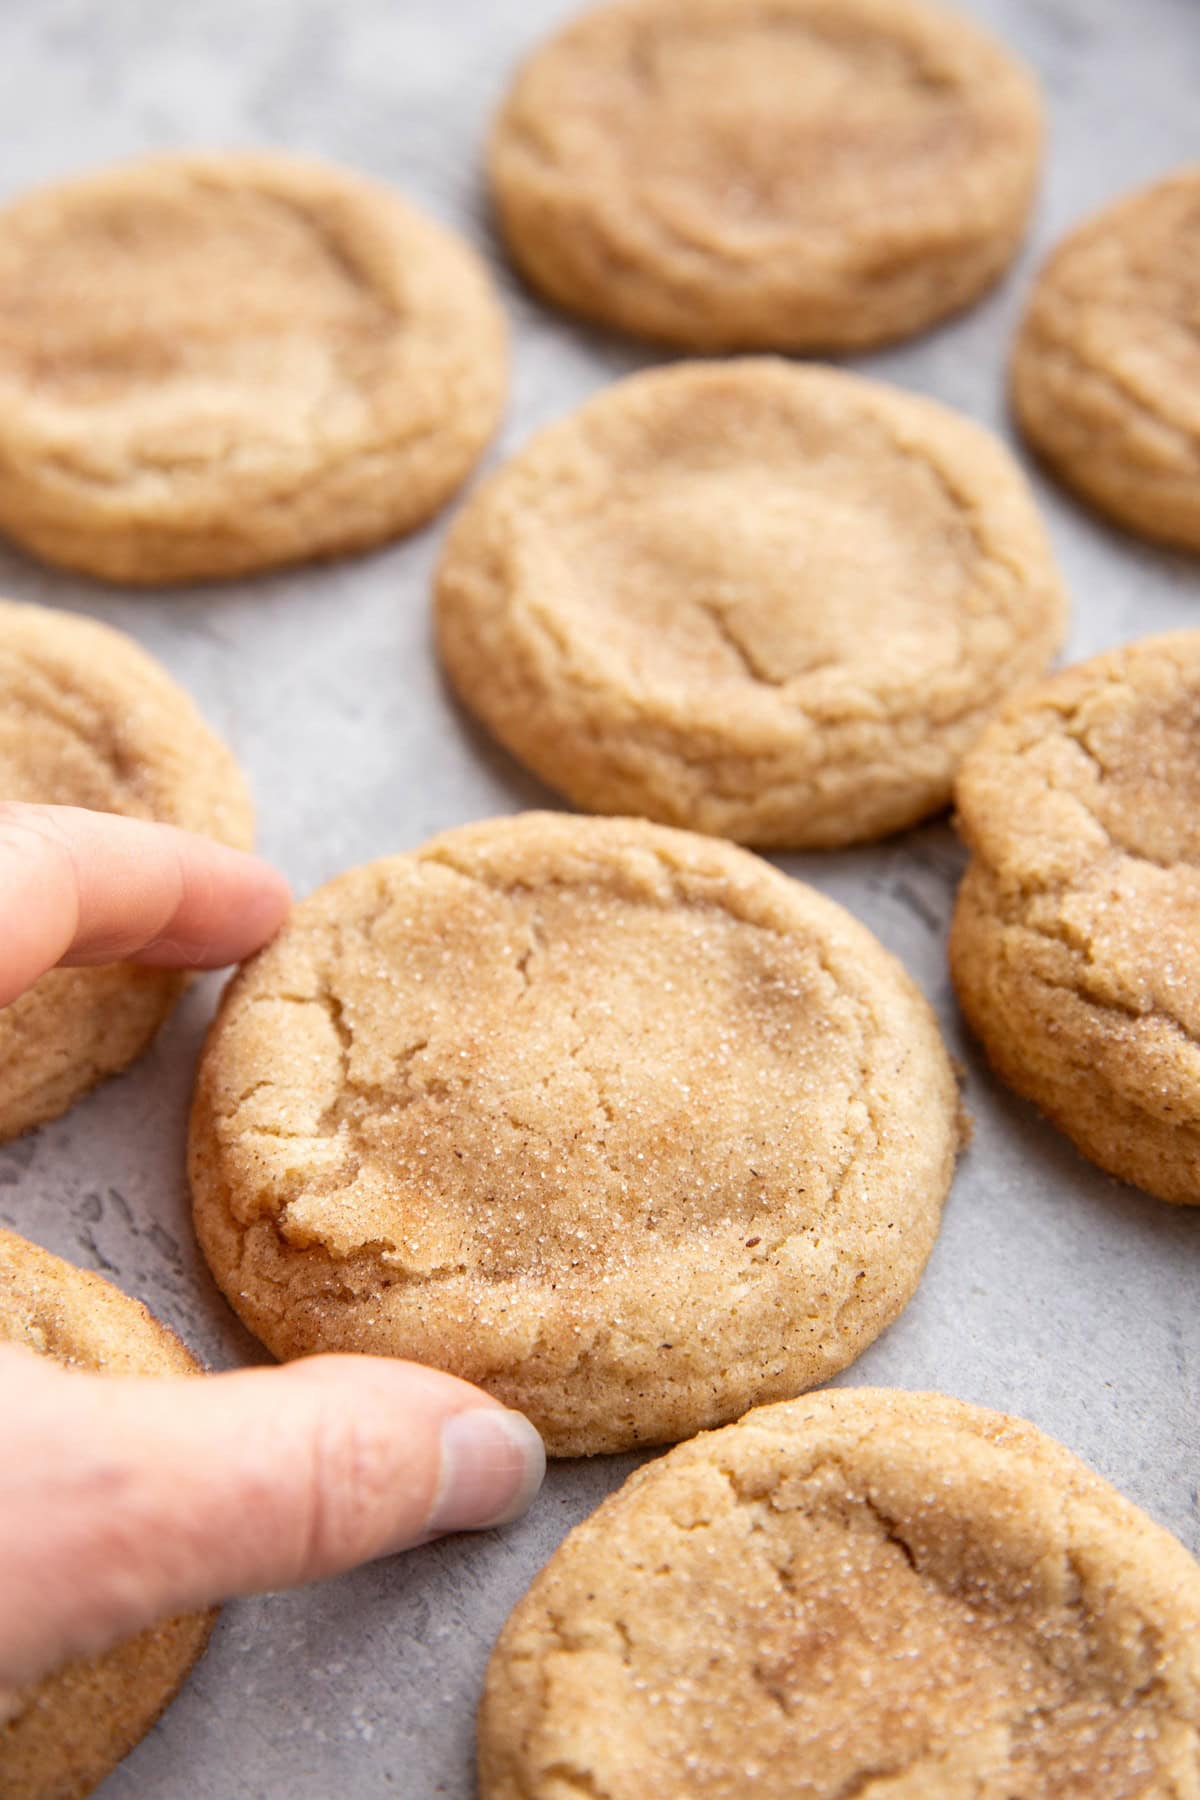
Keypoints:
pixel 1073 946
pixel 618 1122
pixel 863 1592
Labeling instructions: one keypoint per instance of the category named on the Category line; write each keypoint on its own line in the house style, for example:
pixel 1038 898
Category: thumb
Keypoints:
pixel 125 1500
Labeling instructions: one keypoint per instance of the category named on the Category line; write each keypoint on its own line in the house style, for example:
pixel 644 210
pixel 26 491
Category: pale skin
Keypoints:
pixel 123 1501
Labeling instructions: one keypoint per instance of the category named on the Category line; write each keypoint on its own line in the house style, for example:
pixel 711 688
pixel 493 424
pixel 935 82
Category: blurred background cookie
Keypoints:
pixel 618 1122
pixel 211 364
pixel 768 602
pixel 773 174
pixel 88 719
pixel 861 1592
pixel 61 1737
pixel 1074 939
pixel 1106 368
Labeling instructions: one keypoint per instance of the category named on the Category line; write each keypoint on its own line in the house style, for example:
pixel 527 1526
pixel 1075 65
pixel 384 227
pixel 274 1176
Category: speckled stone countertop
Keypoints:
pixel 1053 1292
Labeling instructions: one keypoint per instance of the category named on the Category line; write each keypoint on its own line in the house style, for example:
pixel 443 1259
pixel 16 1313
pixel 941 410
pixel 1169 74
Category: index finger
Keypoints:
pixel 85 887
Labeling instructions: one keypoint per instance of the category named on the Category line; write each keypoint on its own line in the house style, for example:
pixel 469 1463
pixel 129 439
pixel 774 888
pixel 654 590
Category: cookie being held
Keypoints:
pixel 1106 367
pixel 88 719
pixel 1074 941
pixel 617 1122
pixel 212 364
pixel 61 1737
pixel 767 174
pixel 769 602
pixel 861 1592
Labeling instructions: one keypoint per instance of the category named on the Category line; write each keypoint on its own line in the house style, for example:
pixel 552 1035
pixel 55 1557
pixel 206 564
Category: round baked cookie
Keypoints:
pixel 1106 368
pixel 211 364
pixel 88 719
pixel 767 174
pixel 766 602
pixel 60 1738
pixel 620 1123
pixel 861 1592
pixel 1074 942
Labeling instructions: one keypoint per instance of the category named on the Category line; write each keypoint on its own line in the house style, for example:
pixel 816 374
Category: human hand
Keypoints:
pixel 125 1500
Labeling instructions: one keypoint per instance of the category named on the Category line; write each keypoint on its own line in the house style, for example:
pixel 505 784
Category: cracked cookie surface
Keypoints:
pixel 1106 367
pixel 60 1738
pixel 212 364
pixel 88 719
pixel 1073 946
pixel 767 602
pixel 767 174
pixel 618 1122
pixel 864 1592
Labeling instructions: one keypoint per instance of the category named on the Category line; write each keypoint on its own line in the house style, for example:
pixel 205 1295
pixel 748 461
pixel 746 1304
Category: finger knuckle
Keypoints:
pixel 351 1473
pixel 27 831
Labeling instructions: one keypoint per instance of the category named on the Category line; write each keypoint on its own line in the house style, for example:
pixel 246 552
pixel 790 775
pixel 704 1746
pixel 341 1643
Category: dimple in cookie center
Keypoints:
pixel 848 1609
pixel 1141 777
pixel 580 1083
pixel 233 302
pixel 770 572
pixel 772 122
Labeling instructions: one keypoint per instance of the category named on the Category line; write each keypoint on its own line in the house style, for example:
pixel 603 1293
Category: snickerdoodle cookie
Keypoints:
pixel 862 1592
pixel 767 602
pixel 211 364
pixel 60 1738
pixel 772 174
pixel 1074 944
pixel 88 719
pixel 619 1122
pixel 1106 370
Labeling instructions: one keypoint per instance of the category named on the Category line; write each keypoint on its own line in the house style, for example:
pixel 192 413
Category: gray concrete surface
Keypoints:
pixel 1053 1292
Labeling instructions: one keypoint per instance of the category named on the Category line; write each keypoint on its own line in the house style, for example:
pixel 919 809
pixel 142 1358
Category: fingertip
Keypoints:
pixel 251 899
pixel 242 1482
pixel 484 1463
pixel 257 902
pixel 239 908
pixel 269 900
pixel 492 1465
